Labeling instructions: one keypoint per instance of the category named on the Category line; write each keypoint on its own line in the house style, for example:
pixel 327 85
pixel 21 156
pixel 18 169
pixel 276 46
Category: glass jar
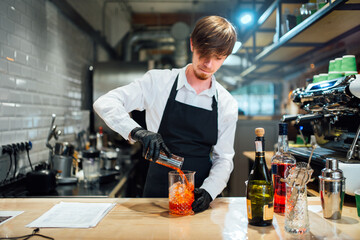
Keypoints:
pixel 181 192
pixel 296 210
pixel 91 167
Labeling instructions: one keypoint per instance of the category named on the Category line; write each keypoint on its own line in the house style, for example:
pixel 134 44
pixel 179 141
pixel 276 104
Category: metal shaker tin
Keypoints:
pixel 332 189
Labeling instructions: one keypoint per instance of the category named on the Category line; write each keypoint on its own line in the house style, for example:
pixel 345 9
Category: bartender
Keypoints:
pixel 188 113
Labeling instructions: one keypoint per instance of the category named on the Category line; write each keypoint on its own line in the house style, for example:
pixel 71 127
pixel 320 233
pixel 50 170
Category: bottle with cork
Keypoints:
pixel 259 190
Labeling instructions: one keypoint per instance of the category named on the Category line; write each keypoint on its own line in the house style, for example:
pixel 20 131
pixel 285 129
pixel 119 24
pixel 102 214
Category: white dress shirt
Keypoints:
pixel 151 93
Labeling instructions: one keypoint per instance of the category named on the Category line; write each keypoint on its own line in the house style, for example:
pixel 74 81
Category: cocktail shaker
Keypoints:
pixel 332 189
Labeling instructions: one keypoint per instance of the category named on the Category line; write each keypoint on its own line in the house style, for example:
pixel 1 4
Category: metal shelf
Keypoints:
pixel 336 20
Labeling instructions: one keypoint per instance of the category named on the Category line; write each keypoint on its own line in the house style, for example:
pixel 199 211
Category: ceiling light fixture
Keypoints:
pixel 246 18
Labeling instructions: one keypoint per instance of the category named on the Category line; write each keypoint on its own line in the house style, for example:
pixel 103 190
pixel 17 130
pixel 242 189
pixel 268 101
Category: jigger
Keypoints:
pixel 332 189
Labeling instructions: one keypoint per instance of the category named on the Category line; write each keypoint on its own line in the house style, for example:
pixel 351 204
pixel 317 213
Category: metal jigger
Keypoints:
pixel 332 189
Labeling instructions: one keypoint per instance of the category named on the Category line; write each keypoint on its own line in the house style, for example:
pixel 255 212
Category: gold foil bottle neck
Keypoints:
pixel 260 132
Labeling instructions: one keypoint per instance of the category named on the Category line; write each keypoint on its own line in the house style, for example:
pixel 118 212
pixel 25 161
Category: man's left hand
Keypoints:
pixel 202 200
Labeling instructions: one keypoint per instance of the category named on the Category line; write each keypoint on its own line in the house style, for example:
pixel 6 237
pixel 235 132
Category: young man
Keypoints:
pixel 188 114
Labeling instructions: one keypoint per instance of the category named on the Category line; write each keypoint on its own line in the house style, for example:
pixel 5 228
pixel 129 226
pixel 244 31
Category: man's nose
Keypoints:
pixel 208 62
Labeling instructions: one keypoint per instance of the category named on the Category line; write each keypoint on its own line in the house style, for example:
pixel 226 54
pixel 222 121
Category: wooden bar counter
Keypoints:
pixel 144 218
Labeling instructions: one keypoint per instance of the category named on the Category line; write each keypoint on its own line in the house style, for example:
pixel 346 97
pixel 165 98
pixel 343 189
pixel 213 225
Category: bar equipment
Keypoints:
pixel 60 155
pixel 109 159
pixel 175 162
pixel 41 182
pixel 62 162
pixel 91 167
pixel 181 192
pixel 332 189
pixel 296 207
pixel 333 108
pixel 333 112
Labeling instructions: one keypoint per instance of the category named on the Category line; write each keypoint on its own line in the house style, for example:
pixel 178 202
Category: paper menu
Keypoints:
pixel 73 215
pixel 7 215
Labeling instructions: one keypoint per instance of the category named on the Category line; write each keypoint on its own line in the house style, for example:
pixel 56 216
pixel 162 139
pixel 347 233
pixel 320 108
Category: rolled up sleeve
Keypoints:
pixel 114 106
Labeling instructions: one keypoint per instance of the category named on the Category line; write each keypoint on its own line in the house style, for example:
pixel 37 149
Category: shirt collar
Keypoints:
pixel 182 82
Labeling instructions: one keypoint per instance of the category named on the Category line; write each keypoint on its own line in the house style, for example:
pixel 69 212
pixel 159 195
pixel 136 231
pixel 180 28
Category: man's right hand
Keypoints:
pixel 152 143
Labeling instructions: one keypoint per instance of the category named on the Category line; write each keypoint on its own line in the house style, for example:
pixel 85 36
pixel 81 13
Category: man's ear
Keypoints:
pixel 191 45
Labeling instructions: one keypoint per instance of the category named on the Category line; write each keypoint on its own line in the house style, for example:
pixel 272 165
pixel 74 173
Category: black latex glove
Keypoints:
pixel 152 143
pixel 202 200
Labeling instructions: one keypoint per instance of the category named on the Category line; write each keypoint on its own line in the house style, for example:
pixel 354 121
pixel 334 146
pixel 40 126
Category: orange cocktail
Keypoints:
pixel 181 192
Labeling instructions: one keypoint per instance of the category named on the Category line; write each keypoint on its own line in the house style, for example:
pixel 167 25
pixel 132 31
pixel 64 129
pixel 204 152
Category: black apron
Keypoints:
pixel 189 132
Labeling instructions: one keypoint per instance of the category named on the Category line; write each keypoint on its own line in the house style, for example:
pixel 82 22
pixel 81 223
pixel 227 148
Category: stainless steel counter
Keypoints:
pixel 110 185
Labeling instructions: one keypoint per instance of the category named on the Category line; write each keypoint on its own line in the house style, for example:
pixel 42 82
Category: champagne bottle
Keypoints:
pixel 259 191
pixel 280 163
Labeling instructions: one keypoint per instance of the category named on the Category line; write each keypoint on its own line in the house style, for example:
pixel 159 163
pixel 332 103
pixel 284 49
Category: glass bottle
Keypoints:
pixel 99 139
pixel 280 162
pixel 259 190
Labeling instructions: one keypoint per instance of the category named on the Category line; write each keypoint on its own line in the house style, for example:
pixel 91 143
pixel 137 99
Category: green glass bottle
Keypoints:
pixel 259 190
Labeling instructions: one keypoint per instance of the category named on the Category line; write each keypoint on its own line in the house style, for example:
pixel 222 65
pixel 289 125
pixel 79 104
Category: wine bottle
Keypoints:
pixel 280 163
pixel 259 190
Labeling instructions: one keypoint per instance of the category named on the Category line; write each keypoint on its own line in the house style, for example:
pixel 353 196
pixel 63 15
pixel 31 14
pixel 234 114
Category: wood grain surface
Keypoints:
pixel 145 218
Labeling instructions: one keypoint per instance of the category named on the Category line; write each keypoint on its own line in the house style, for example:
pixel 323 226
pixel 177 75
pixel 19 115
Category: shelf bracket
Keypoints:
pixel 279 20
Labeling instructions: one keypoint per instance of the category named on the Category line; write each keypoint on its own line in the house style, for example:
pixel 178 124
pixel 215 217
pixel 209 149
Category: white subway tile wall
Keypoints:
pixel 43 57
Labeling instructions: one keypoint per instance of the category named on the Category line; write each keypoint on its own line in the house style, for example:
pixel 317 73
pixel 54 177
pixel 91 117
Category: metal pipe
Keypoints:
pixel 352 148
pixel 143 36
pixel 279 20
pixel 288 118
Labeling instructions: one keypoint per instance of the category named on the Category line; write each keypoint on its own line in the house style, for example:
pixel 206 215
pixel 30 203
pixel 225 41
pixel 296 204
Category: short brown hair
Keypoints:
pixel 213 35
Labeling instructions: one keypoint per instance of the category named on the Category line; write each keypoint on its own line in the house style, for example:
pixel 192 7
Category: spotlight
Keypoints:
pixel 246 18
